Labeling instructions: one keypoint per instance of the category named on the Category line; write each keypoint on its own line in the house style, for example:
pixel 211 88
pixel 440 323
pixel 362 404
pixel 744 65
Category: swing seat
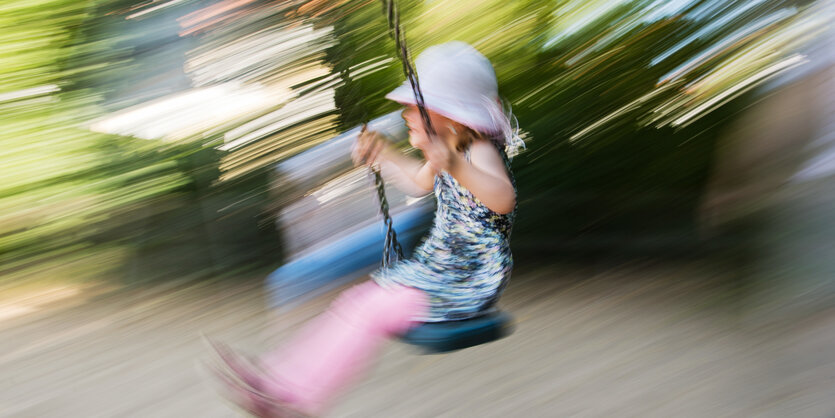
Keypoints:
pixel 442 337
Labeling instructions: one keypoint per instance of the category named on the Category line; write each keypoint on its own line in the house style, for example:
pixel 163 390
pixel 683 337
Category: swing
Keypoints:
pixel 432 337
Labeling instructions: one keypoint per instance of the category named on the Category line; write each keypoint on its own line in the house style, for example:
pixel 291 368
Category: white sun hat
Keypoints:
pixel 459 83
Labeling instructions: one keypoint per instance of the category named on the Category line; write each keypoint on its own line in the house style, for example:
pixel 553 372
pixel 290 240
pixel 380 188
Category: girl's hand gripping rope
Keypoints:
pixel 440 153
pixel 370 148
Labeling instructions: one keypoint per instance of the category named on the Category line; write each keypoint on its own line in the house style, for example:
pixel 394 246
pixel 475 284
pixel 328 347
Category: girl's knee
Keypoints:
pixel 385 310
pixel 406 304
pixel 360 301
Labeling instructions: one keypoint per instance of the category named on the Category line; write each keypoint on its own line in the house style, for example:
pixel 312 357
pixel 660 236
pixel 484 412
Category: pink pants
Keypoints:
pixel 335 348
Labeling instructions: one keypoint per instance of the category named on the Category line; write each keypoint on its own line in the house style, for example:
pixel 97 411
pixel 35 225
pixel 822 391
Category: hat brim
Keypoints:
pixel 474 115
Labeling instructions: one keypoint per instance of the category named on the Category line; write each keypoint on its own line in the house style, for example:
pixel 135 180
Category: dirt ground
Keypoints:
pixel 627 339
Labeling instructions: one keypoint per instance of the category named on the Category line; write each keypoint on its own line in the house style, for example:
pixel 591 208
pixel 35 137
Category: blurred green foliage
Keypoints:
pixel 75 204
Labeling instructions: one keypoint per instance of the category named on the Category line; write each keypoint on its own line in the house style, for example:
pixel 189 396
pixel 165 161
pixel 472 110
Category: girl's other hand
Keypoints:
pixel 370 148
pixel 440 153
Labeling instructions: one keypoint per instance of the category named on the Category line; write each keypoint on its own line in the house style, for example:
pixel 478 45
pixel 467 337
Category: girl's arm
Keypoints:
pixel 410 175
pixel 413 177
pixel 485 176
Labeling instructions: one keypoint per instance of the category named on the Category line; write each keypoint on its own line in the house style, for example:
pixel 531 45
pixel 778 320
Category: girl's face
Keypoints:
pixel 417 134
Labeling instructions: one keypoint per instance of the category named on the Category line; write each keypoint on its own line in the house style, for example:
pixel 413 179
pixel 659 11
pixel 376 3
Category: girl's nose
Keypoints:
pixel 410 112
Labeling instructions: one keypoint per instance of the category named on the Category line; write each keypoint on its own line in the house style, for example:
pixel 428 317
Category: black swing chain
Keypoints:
pixel 392 251
pixel 396 33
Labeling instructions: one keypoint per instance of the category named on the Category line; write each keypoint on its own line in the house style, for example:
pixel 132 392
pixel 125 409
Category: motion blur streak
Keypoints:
pixel 673 249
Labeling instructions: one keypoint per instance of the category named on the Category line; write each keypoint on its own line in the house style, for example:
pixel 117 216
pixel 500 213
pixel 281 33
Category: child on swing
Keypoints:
pixel 458 271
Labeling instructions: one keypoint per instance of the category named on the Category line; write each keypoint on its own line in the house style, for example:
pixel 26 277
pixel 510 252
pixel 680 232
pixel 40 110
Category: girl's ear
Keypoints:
pixel 467 136
pixel 459 134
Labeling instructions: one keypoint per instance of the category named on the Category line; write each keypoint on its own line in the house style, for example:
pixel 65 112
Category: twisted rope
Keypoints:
pixel 392 251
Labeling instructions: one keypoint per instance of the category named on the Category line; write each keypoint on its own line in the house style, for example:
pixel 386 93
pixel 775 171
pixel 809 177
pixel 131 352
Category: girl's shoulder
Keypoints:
pixel 483 148
pixel 485 155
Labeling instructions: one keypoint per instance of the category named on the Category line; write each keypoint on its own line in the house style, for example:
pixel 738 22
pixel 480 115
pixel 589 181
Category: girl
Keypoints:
pixel 458 271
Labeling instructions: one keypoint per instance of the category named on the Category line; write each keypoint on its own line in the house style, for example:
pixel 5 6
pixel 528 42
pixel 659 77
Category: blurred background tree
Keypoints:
pixel 138 137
